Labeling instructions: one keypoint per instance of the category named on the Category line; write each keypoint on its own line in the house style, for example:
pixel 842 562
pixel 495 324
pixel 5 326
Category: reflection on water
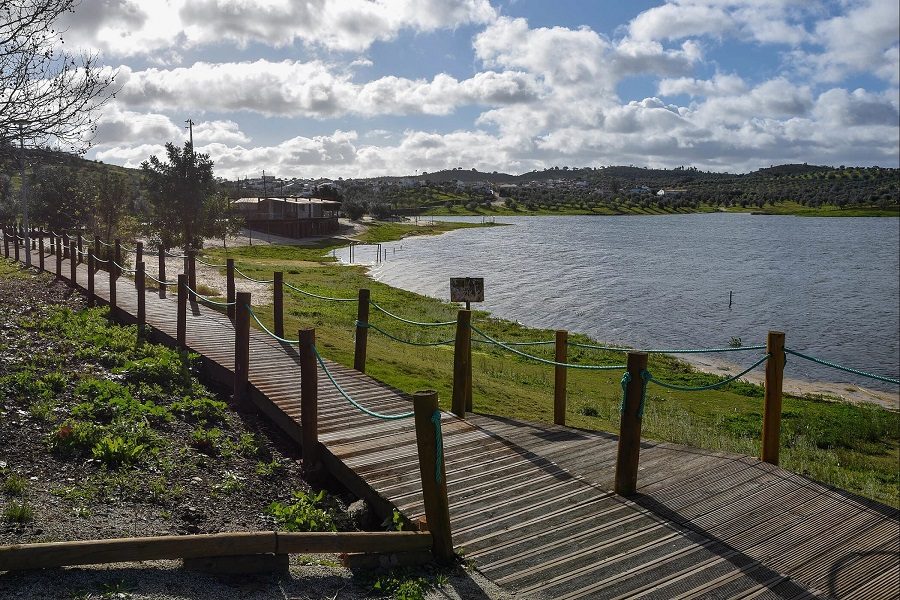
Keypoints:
pixel 832 284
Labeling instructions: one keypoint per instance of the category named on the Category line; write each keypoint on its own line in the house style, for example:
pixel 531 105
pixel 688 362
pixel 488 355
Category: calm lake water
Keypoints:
pixel 831 284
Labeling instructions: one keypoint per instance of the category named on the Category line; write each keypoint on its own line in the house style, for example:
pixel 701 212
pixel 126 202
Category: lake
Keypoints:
pixel 831 284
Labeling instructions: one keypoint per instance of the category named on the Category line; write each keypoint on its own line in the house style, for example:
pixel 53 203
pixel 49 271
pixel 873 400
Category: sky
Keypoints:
pixel 359 88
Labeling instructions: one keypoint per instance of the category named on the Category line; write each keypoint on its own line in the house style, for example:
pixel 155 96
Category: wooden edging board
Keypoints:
pixel 87 552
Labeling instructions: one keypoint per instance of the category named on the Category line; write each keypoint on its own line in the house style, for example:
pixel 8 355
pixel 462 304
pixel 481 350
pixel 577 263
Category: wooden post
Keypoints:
pixel 241 348
pixel 161 274
pixel 73 265
pixel 65 245
pixel 192 273
pixel 138 257
pixel 6 242
pixel 362 330
pixel 118 257
pixel 41 252
pixel 58 260
pixel 112 289
pixel 229 286
pixel 771 433
pixel 32 238
pixel 629 452
pixel 559 380
pixel 139 281
pixel 92 297
pixel 181 323
pixel 278 302
pixel 52 243
pixel 434 475
pixel 16 243
pixel 462 364
pixel 80 248
pixel 309 400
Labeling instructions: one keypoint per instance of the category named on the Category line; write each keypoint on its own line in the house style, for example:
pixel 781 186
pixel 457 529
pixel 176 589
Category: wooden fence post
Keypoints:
pixel 80 248
pixel 462 364
pixel 92 265
pixel 16 243
pixel 192 274
pixel 241 348
pixel 65 245
pixel 181 323
pixel 309 400
pixel 138 257
pixel 161 272
pixel 629 451
pixel 51 243
pixel 31 236
pixel 73 265
pixel 278 302
pixel 229 287
pixel 771 433
pixel 434 474
pixel 139 282
pixel 118 257
pixel 362 330
pixel 58 257
pixel 112 289
pixel 41 251
pixel 559 379
pixel 5 242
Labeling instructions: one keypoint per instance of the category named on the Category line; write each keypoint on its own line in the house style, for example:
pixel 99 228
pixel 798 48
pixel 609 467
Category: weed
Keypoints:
pixel 116 451
pixel 588 411
pixel 249 445
pixel 304 514
pixel 73 436
pixel 18 512
pixel 43 410
pixel 231 483
pixel 207 441
pixel 402 585
pixel 14 485
pixel 395 522
pixel 104 400
pixel 201 409
pixel 269 469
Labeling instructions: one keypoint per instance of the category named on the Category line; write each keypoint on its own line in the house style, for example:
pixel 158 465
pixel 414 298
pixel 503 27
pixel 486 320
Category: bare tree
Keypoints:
pixel 47 96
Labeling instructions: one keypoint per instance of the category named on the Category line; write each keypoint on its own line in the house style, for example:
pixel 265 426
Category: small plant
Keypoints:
pixel 115 451
pixel 14 485
pixel 735 342
pixel 201 409
pixel 74 436
pixel 18 512
pixel 305 514
pixel 395 522
pixel 248 445
pixel 207 441
pixel 401 585
pixel 588 411
pixel 269 469
pixel 231 483
pixel 42 410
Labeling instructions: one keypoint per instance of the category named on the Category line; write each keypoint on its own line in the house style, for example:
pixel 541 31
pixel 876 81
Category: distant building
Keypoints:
pixel 290 216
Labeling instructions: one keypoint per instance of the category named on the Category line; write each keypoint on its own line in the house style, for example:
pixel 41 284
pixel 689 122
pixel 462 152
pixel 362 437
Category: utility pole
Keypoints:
pixel 24 187
pixel 190 128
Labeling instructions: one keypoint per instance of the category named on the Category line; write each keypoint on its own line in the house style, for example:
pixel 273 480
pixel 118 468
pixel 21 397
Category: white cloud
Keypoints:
pixel 222 132
pixel 719 85
pixel 117 126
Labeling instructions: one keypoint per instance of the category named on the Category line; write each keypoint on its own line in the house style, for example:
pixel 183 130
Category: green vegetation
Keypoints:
pixel 382 231
pixel 14 485
pixel 18 511
pixel 306 513
pixel 854 447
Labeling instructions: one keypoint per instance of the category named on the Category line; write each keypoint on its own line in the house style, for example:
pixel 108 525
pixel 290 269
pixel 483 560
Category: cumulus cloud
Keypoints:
pixel 118 126
pixel 719 85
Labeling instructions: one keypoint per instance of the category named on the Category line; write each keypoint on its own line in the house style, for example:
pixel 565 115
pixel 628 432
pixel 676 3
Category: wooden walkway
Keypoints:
pixel 531 503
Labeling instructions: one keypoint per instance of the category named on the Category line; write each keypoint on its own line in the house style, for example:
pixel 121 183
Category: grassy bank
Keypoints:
pixel 852 447
pixel 382 231
pixel 782 208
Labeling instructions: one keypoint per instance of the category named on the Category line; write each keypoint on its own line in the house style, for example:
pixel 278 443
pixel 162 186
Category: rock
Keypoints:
pixel 361 515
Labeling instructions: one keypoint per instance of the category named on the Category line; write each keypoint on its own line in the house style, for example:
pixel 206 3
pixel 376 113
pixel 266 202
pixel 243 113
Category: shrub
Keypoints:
pixel 206 440
pixel 14 485
pixel 73 436
pixel 202 409
pixel 18 512
pixel 305 514
pixel 105 400
pixel 115 450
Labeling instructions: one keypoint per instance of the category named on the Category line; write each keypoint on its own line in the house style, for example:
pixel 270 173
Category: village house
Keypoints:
pixel 289 216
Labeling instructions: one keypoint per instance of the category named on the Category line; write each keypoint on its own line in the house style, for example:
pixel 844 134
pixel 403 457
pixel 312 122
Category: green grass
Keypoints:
pixel 854 447
pixel 380 231
pixel 788 207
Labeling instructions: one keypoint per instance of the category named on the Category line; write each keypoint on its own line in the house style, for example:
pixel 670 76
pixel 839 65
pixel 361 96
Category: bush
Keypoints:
pixel 380 210
pixel 353 210
pixel 305 514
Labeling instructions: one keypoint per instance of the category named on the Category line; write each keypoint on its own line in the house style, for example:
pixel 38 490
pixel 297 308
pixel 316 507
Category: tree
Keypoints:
pixel 113 198
pixel 60 197
pixel 47 96
pixel 185 204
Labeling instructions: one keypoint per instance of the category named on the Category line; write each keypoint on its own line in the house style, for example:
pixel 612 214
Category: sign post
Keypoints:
pixel 467 289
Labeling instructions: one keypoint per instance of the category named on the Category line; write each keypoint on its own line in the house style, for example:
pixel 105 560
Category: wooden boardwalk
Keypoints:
pixel 531 503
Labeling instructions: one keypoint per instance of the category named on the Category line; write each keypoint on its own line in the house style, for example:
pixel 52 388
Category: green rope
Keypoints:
pixel 666 351
pixel 712 386
pixel 351 400
pixel 215 266
pixel 149 276
pixel 536 343
pixel 267 330
pixel 842 368
pixel 438 445
pixel 544 360
pixel 419 323
pixel 239 272
pixel 311 295
pixel 626 379
pixel 205 298
pixel 402 341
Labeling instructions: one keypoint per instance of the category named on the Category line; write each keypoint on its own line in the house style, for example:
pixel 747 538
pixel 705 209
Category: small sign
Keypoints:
pixel 467 289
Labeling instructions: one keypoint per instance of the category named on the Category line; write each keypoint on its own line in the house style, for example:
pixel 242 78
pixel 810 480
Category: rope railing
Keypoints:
pixel 242 274
pixel 208 299
pixel 266 329
pixel 149 276
pixel 174 255
pixel 649 377
pixel 419 323
pixel 317 296
pixel 213 265
pixel 402 341
pixel 104 243
pixel 100 260
pixel 356 404
pixel 664 350
pixel 122 267
pixel 833 365
pixel 544 360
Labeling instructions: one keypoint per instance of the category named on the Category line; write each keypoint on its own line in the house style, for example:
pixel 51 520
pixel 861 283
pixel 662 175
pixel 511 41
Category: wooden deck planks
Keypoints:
pixel 530 502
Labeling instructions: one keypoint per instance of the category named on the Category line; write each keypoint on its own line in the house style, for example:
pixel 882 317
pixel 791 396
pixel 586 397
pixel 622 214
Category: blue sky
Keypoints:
pixel 356 88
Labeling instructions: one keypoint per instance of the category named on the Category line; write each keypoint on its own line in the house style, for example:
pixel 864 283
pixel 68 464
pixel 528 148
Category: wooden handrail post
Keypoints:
pixel 462 364
pixel 16 243
pixel 41 252
pixel 91 294
pixel 241 348
pixel 434 475
pixel 65 245
pixel 278 302
pixel 138 257
pixel 559 379
pixel 771 432
pixel 50 243
pixel 73 265
pixel 229 287
pixel 5 242
pixel 112 290
pixel 192 273
pixel 362 330
pixel 181 323
pixel 161 271
pixel 58 257
pixel 118 257
pixel 629 451
pixel 31 236
pixel 80 248
pixel 139 282
pixel 309 401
